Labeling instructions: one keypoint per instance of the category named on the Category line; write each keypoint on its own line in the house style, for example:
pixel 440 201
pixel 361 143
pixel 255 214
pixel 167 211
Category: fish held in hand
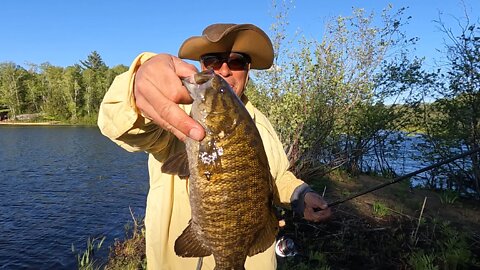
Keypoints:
pixel 231 188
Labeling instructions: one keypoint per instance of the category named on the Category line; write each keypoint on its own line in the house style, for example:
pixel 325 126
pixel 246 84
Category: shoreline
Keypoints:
pixel 47 123
pixel 12 123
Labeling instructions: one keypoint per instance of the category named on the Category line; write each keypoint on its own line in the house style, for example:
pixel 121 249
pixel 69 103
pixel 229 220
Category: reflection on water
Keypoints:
pixel 59 186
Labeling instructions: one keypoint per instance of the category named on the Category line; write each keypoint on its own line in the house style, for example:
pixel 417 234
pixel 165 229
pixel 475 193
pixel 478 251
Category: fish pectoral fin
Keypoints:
pixel 177 165
pixel 265 237
pixel 189 245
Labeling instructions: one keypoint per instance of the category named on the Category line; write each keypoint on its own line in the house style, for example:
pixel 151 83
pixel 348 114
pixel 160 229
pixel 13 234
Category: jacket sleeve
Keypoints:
pixel 290 190
pixel 120 120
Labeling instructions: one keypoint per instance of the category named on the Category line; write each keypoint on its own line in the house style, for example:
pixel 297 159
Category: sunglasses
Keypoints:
pixel 235 61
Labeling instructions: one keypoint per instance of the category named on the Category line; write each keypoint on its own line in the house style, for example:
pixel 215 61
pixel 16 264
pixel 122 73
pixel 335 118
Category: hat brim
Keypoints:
pixel 249 41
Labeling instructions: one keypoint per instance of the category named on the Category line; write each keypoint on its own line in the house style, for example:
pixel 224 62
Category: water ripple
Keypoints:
pixel 65 185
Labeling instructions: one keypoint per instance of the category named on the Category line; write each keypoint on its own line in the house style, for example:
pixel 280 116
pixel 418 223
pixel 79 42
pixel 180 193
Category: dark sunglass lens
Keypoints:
pixel 212 61
pixel 237 62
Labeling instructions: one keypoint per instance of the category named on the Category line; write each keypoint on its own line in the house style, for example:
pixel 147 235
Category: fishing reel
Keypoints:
pixel 285 247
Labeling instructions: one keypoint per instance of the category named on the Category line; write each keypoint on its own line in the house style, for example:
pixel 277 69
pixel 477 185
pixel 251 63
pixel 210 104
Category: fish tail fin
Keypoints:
pixel 266 236
pixel 188 244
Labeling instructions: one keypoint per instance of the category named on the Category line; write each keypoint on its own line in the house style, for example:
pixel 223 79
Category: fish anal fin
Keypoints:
pixel 177 165
pixel 265 237
pixel 189 245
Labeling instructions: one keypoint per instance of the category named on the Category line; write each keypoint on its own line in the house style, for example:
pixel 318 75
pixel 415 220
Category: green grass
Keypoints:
pixel 448 197
pixel 86 259
pixel 129 253
pixel 380 209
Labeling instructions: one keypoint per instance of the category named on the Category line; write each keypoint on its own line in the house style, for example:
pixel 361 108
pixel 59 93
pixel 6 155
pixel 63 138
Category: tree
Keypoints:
pixel 70 94
pixel 34 89
pixel 12 90
pixel 321 97
pixel 54 99
pixel 72 81
pixel 94 62
pixel 96 80
pixel 456 124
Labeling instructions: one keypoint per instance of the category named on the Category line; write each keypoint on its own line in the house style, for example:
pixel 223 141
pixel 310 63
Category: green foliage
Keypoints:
pixel 12 87
pixel 326 97
pixel 335 99
pixel 442 246
pixel 86 261
pixel 454 124
pixel 70 94
pixel 420 261
pixel 448 197
pixel 352 240
pixel 94 62
pixel 380 209
pixel 130 253
pixel 453 247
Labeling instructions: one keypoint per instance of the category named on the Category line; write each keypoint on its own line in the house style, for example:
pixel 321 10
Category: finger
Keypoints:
pixel 171 117
pixel 149 112
pixel 314 200
pixel 159 90
pixel 170 76
pixel 182 68
pixel 163 110
pixel 320 204
pixel 176 118
pixel 317 216
pixel 159 73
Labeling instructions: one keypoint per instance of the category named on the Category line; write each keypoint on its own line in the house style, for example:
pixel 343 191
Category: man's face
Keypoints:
pixel 233 67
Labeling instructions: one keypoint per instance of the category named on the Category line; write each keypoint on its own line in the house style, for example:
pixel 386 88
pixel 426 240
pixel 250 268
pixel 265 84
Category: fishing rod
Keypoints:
pixel 285 247
pixel 398 179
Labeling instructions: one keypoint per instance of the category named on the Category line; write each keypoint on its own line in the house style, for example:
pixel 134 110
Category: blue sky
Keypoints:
pixel 65 32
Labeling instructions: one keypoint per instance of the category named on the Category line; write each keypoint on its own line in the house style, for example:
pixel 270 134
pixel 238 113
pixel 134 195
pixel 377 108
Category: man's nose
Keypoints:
pixel 224 70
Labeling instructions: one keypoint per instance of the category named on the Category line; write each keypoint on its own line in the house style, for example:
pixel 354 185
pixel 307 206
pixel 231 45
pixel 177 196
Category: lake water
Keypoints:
pixel 58 187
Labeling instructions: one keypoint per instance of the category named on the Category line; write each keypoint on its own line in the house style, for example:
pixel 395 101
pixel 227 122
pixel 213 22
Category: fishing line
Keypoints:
pixel 398 179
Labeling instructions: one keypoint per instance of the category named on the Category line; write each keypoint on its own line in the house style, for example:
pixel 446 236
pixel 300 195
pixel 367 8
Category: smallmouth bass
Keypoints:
pixel 231 188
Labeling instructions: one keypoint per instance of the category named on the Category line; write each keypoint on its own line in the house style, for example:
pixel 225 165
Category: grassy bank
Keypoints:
pixel 393 228
pixel 124 254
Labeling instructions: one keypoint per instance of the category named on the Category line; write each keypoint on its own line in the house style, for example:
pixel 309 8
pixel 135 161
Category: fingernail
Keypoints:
pixel 195 134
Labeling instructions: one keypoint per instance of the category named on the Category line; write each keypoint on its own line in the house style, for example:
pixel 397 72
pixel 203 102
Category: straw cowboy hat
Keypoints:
pixel 243 38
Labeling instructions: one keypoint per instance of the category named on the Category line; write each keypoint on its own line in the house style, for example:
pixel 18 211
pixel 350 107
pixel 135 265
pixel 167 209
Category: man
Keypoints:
pixel 144 111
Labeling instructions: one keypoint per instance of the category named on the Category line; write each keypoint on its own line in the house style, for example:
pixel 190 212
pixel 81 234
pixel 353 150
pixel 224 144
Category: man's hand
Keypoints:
pixel 158 90
pixel 313 202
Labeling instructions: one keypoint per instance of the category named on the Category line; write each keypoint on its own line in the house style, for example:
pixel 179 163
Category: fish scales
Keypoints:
pixel 231 188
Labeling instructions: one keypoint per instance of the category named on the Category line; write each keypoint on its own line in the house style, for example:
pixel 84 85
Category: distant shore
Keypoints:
pixel 44 123
pixel 18 123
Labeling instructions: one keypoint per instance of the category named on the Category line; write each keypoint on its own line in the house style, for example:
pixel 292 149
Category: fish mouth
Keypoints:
pixel 196 84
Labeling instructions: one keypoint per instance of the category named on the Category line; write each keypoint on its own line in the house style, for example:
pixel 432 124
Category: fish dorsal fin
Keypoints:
pixel 265 237
pixel 189 245
pixel 177 165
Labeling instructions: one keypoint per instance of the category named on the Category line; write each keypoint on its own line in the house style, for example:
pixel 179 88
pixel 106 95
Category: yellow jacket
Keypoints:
pixel 168 208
